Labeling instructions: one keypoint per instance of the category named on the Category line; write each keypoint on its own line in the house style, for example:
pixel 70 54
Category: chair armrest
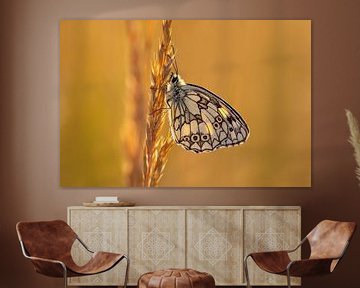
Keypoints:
pixel 268 254
pixel 48 267
pixel 298 246
pixel 280 251
pixel 46 260
pixel 309 267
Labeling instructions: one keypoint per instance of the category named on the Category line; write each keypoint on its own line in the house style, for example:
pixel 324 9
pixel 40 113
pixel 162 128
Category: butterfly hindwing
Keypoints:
pixel 201 121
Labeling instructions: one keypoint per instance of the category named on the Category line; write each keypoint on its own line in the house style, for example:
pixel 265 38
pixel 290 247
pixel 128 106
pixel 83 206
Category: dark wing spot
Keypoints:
pixel 195 138
pixel 204 137
pixel 203 103
pixel 218 119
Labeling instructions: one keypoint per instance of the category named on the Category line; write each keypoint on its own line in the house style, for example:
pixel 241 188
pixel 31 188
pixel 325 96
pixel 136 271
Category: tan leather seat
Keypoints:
pixel 48 245
pixel 328 242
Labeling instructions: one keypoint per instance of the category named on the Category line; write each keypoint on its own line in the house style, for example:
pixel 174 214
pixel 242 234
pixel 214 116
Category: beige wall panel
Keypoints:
pixel 156 240
pixel 214 244
pixel 101 230
pixel 269 230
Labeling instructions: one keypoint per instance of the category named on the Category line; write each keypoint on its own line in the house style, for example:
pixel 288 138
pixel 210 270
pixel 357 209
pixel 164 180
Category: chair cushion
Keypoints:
pixel 176 278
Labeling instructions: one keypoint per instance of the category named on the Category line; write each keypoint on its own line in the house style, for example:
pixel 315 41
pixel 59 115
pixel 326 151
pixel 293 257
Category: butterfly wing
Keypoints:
pixel 201 121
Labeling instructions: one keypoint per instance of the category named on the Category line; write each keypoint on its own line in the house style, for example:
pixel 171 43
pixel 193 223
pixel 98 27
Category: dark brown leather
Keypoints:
pixel 176 278
pixel 272 262
pixel 53 240
pixel 328 241
pixel 310 267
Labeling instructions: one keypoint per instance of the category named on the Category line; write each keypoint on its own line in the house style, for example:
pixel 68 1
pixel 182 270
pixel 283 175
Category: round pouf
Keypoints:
pixel 176 278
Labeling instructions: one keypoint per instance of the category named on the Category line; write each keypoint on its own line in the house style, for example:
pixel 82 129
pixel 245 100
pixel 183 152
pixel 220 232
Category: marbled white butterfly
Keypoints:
pixel 200 120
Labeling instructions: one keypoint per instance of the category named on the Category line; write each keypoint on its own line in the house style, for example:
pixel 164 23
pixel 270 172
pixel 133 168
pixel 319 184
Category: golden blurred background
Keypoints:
pixel 261 67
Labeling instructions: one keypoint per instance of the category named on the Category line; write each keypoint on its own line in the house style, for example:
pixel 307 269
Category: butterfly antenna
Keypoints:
pixel 174 61
pixel 176 66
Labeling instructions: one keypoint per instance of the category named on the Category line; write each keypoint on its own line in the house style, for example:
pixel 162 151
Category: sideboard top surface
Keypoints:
pixel 193 207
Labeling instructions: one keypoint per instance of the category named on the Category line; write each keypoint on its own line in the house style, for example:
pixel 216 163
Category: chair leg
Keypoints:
pixel 65 276
pixel 246 270
pixel 288 278
pixel 127 271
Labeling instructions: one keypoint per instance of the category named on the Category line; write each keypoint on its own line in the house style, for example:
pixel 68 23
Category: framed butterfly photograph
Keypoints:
pixel 185 103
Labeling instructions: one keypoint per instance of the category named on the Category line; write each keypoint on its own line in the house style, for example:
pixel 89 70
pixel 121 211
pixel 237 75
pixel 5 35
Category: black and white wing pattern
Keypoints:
pixel 200 120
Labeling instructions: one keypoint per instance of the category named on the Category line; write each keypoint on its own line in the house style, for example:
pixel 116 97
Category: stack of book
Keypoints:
pixel 106 199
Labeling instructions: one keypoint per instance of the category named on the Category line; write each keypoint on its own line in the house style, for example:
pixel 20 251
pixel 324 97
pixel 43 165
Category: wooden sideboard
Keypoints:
pixel 212 239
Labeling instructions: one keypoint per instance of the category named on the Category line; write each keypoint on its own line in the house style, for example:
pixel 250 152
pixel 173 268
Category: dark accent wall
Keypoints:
pixel 29 120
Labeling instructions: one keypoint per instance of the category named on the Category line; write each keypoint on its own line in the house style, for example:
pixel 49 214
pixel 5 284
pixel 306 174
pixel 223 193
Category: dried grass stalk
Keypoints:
pixel 354 140
pixel 157 146
pixel 135 109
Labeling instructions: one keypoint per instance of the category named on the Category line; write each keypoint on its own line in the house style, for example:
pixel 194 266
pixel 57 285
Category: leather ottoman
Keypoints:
pixel 176 278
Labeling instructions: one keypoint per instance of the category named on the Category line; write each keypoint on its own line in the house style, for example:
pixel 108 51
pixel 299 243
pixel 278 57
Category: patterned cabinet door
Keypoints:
pixel 269 230
pixel 156 240
pixel 101 230
pixel 214 244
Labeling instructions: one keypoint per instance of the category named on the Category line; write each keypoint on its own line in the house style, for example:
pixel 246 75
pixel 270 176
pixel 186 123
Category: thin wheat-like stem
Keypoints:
pixel 134 119
pixel 157 146
pixel 354 140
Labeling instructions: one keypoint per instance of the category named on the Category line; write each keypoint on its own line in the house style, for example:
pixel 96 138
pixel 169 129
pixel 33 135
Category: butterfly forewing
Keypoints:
pixel 201 121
